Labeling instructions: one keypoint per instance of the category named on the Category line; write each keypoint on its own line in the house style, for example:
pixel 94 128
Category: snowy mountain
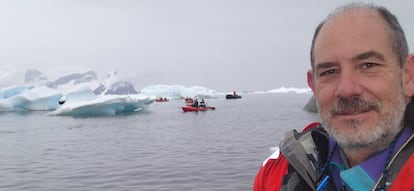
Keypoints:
pixel 74 79
pixel 110 86
pixel 34 77
pixel 117 88
pixel 113 86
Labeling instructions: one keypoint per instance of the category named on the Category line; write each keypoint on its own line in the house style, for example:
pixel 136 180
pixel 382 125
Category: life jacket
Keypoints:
pixel 298 163
pixel 271 173
pixel 401 173
pixel 306 152
pixel 297 151
pixel 405 178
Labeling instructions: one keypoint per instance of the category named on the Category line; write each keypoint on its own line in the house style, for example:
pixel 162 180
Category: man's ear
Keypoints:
pixel 408 76
pixel 311 79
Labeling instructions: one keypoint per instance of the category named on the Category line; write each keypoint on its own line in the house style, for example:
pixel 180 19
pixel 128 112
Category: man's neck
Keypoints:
pixel 356 155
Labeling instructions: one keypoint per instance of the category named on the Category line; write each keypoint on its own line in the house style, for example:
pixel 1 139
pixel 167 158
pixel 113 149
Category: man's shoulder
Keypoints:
pixel 277 154
pixel 274 156
pixel 271 172
pixel 275 167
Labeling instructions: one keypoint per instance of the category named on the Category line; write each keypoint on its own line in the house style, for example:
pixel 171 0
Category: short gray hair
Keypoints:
pixel 397 36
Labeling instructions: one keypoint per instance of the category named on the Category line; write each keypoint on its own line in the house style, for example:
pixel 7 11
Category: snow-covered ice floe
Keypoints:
pixel 83 102
pixel 33 99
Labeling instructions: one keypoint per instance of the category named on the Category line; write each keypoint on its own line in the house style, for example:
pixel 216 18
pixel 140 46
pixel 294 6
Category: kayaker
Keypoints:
pixel 363 80
pixel 195 104
pixel 202 103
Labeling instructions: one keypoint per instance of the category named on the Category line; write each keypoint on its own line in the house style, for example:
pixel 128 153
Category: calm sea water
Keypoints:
pixel 161 149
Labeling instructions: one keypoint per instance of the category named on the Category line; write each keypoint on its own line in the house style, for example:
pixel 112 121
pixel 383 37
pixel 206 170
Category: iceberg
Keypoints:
pixel 12 91
pixel 72 94
pixel 81 94
pixel 289 90
pixel 81 101
pixel 35 99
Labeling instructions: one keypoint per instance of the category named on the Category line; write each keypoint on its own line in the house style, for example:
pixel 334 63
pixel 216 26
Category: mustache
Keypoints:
pixel 353 105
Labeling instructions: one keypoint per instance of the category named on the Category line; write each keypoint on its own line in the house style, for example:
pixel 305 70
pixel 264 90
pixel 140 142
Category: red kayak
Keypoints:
pixel 189 108
pixel 161 100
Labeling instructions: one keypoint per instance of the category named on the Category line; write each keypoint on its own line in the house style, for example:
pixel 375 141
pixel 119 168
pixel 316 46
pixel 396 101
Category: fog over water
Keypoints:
pixel 224 45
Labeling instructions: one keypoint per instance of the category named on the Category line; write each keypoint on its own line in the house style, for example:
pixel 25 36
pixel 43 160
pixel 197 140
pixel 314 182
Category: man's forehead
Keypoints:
pixel 353 16
pixel 353 31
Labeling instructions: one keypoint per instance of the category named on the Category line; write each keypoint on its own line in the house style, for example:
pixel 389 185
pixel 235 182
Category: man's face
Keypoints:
pixel 357 80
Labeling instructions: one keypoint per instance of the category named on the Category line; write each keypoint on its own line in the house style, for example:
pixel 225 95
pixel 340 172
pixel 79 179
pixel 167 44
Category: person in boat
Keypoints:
pixel 195 104
pixel 363 80
pixel 234 93
pixel 202 103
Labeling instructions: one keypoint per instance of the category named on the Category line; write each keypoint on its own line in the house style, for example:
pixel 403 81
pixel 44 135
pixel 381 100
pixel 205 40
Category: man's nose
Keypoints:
pixel 348 85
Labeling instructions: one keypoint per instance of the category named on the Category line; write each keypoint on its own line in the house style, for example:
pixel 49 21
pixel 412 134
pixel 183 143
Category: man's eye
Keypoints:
pixel 369 65
pixel 328 72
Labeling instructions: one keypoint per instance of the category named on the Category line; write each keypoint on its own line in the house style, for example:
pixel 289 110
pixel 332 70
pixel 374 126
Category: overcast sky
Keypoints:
pixel 220 44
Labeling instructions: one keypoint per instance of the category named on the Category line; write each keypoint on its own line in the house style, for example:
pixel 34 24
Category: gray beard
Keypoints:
pixel 375 138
